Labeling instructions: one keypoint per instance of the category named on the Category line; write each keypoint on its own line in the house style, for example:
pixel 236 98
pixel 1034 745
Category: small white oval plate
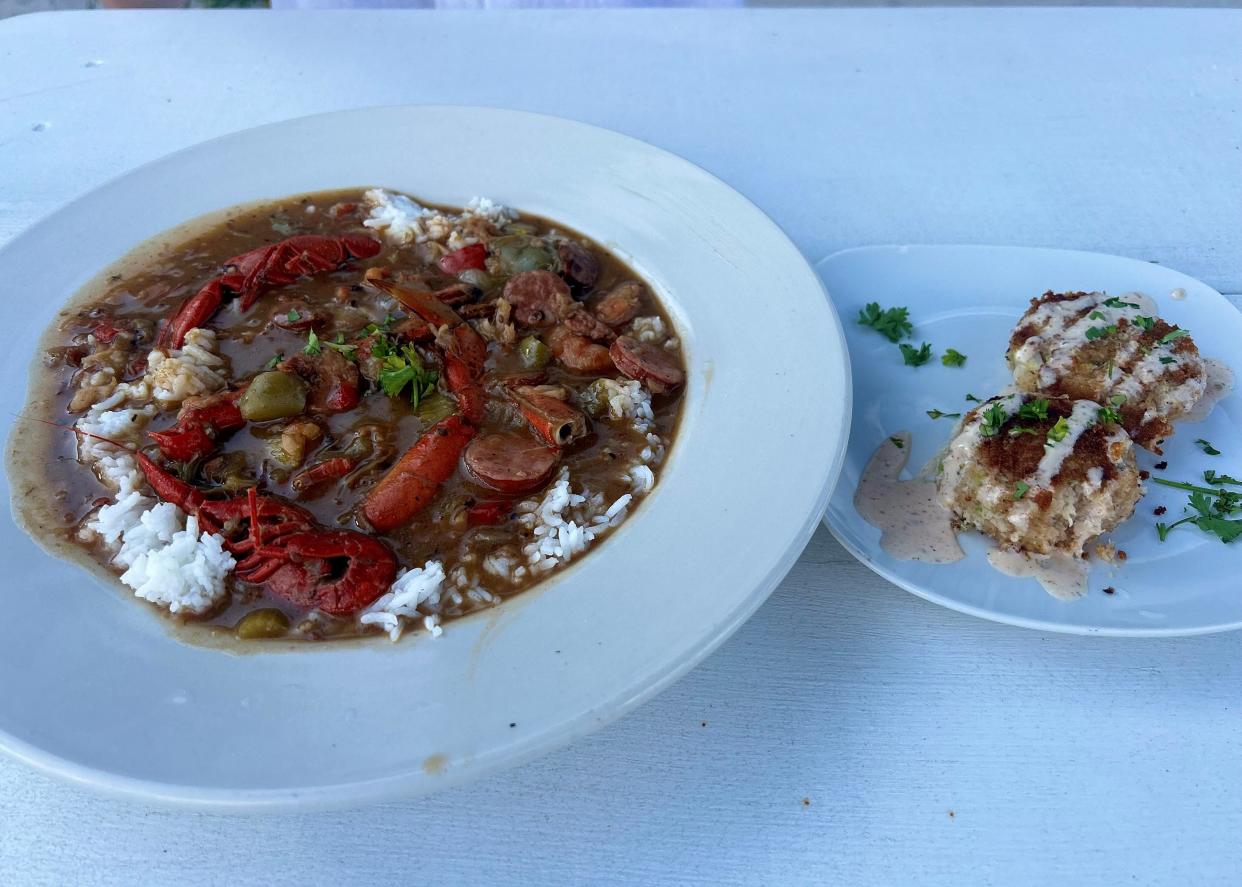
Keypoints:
pixel 968 298
pixel 97 689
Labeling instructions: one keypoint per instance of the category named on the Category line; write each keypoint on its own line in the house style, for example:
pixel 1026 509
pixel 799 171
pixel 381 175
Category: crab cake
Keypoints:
pixel 1113 350
pixel 1042 475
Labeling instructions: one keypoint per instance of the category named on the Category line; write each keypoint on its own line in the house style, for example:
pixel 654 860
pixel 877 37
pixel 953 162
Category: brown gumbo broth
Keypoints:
pixel 358 416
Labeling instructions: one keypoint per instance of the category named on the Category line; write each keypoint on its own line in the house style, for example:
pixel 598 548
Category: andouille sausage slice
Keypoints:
pixel 511 463
pixel 539 298
pixel 579 265
pixel 654 367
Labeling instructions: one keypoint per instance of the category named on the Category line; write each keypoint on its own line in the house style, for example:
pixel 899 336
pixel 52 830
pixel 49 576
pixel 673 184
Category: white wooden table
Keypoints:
pixel 849 733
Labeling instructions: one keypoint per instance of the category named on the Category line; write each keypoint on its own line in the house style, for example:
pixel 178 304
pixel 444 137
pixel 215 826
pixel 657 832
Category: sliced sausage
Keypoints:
pixel 539 298
pixel 509 462
pixel 578 353
pixel 579 265
pixel 554 421
pixel 654 367
pixel 620 304
pixel 584 323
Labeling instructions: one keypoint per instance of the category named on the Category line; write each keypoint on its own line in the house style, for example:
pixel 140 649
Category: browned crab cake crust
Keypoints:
pixel 1112 350
pixel 1009 481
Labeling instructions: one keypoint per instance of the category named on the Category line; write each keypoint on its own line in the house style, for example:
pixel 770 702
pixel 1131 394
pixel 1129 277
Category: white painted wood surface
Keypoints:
pixel 849 733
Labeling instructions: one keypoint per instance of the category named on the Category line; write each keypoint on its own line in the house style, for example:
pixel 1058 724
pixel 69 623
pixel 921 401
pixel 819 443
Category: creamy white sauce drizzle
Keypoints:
pixel 913 524
pixel 1062 576
pixel 1220 383
pixel 1062 331
pixel 1080 419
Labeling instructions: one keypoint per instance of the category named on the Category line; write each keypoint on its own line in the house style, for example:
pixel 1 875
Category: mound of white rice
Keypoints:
pixel 419 587
pixel 403 221
pixel 194 370
pixel 172 564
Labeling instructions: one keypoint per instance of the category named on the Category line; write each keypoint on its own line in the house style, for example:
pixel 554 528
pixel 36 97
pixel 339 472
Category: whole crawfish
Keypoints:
pixel 250 274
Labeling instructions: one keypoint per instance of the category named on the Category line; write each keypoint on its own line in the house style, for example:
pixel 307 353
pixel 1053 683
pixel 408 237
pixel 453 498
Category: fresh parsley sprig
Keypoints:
pixel 953 358
pixel 892 323
pixel 915 357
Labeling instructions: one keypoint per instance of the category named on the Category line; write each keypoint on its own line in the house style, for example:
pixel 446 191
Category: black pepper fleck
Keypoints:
pixel 1121 555
pixel 1110 590
pixel 1161 466
pixel 1159 509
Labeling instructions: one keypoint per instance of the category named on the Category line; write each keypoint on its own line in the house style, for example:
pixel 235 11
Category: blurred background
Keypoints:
pixel 17 7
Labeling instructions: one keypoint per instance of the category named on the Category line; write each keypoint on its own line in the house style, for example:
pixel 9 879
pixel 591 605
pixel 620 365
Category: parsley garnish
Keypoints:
pixel 1034 410
pixel 1213 478
pixel 1019 490
pixel 1099 332
pixel 1207 447
pixel 1144 323
pixel 1118 400
pixel 892 323
pixel 1096 315
pixel 953 358
pixel 1114 302
pixel 1167 360
pixel 312 344
pixel 897 442
pixel 293 316
pixel 993 418
pixel 1108 414
pixel 936 414
pixel 1211 510
pixel 1058 432
pixel 276 359
pixel 970 396
pixel 402 367
pixel 915 357
pixel 1173 336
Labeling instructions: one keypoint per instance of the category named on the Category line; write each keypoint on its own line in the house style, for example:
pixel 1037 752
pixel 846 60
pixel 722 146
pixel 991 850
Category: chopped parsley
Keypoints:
pixel 1118 400
pixel 1114 302
pixel 1144 323
pixel 293 316
pixel 276 359
pixel 1096 315
pixel 915 357
pixel 1217 479
pixel 1108 414
pixel 897 442
pixel 1035 410
pixel 1099 332
pixel 936 414
pixel 1019 490
pixel 1207 447
pixel 1168 360
pixel 892 323
pixel 993 418
pixel 401 367
pixel 971 397
pixel 953 358
pixel 1173 336
pixel 1210 510
pixel 313 345
pixel 1058 432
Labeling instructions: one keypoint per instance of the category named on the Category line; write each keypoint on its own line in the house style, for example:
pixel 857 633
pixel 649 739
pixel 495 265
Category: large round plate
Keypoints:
pixel 969 297
pixel 98 690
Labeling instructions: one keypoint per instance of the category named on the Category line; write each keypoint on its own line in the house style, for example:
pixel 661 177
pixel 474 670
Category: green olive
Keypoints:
pixel 434 407
pixel 273 395
pixel 532 258
pixel 594 398
pixel 534 353
pixel 478 279
pixel 264 623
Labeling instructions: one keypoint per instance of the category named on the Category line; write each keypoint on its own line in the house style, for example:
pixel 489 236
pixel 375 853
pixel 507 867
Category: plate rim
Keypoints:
pixel 949 603
pixel 555 735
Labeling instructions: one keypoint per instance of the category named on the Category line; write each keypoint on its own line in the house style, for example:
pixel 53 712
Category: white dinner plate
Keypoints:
pixel 968 298
pixel 97 689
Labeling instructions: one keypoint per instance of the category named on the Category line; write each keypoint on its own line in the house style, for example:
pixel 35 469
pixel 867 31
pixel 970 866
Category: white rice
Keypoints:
pixel 196 369
pixel 180 569
pixel 402 221
pixel 419 587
